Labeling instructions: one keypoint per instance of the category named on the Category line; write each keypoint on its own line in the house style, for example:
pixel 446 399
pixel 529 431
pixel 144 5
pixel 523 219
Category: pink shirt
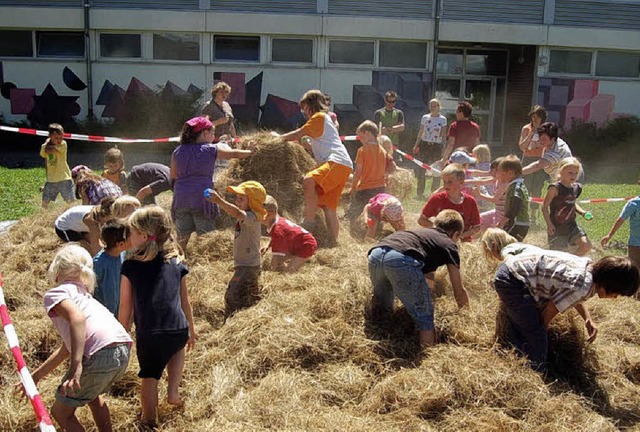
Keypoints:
pixel 377 203
pixel 101 327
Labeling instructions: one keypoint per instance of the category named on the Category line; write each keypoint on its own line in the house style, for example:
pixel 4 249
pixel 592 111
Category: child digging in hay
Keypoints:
pixel 383 208
pixel 153 290
pixel 399 263
pixel 291 245
pixel 243 288
pixel 535 285
pixel 96 344
pixel 91 188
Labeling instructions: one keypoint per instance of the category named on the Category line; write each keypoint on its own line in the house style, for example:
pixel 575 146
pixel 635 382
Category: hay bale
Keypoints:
pixel 400 183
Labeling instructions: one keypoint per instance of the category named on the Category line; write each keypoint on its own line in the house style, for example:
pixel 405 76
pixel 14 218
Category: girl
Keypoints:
pixel 482 153
pixel 192 169
pixel 83 224
pixel 114 168
pixel 95 342
pixel 153 289
pixel 91 188
pixel 123 206
pixel 494 192
pixel 383 208
pixel 428 146
pixel 560 207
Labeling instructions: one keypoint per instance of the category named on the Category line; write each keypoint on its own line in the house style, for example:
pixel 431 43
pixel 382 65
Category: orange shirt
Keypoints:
pixel 372 159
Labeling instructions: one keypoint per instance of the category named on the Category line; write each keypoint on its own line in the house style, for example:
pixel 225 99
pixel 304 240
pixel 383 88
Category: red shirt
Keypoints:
pixel 466 133
pixel 468 208
pixel 292 239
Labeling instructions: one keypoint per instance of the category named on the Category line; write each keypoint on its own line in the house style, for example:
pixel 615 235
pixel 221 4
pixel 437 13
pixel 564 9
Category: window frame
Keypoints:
pixel 32 40
pixel 428 55
pixel 261 49
pixel 151 42
pixel 37 55
pixel 122 59
pixel 373 65
pixel 594 59
pixel 569 74
pixel 314 51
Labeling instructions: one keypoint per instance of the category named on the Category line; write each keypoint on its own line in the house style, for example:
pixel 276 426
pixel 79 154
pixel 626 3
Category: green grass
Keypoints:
pixel 20 194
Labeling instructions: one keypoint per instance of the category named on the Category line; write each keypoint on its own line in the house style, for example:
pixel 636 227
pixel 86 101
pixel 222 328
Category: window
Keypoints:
pixel 236 48
pixel 618 64
pixel 176 46
pixel 449 62
pixel 292 50
pixel 572 62
pixel 59 44
pixel 351 52
pixel 16 43
pixel 486 63
pixel 403 54
pixel 120 45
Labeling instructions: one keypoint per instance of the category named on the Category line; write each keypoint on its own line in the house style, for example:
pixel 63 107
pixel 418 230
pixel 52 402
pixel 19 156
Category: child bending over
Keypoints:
pixel 383 208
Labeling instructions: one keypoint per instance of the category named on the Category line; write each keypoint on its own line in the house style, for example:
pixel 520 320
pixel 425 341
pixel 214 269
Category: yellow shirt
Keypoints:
pixel 56 163
pixel 373 160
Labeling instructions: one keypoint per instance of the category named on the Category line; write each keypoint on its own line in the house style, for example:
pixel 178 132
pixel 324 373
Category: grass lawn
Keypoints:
pixel 20 194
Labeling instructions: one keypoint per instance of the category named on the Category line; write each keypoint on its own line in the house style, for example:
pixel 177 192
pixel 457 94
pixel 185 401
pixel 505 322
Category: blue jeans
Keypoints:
pixel 392 272
pixel 526 329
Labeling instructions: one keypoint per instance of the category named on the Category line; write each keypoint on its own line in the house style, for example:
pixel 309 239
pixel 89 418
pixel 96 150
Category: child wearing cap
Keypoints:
pixel 381 208
pixel 242 290
pixel 291 245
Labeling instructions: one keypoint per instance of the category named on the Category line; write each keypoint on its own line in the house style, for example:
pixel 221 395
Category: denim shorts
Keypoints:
pixel 99 372
pixel 190 220
pixel 64 188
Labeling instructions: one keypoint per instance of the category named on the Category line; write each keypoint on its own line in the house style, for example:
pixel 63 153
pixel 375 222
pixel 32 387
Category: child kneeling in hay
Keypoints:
pixel 536 284
pixel 291 245
pixel 382 208
pixel 399 263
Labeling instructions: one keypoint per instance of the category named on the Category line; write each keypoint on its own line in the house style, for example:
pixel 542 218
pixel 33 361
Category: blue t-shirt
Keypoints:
pixel 631 211
pixel 107 269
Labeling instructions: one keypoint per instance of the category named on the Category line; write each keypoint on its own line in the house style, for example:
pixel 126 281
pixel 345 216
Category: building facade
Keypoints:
pixel 73 58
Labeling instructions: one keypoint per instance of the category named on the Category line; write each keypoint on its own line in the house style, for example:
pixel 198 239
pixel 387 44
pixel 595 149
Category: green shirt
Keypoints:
pixel 517 191
pixel 390 119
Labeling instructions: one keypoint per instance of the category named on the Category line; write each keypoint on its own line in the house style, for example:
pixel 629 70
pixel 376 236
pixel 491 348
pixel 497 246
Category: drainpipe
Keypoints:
pixel 87 57
pixel 436 40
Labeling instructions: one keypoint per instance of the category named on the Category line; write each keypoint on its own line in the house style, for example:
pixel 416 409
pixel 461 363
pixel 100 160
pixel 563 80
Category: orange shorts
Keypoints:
pixel 330 178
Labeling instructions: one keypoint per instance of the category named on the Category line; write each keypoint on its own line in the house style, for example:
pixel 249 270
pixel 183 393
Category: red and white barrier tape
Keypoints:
pixel 435 171
pixel 589 201
pixel 44 421
pixel 92 138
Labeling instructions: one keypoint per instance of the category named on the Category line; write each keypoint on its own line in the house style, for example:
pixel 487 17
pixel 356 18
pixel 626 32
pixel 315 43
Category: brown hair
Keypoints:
pixel 270 204
pixel 549 129
pixel 188 136
pixel 55 128
pixel 221 85
pixel 539 111
pixel 449 221
pixel 314 100
pixel 390 94
pixel 617 275
pixel 114 155
pixel 102 211
pixel 465 108
pixel 113 232
pixel 511 163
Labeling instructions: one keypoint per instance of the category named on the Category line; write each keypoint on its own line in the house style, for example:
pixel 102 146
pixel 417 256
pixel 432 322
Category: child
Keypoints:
pixel 516 202
pixel 452 197
pixel 82 224
pixel 91 188
pixel 242 290
pixel 399 263
pixel 483 158
pixel 387 145
pixel 108 262
pixel 114 168
pixel 371 163
pixel 536 284
pixel 54 152
pixel 147 180
pixel 631 211
pixel 428 145
pixel 153 287
pixel 494 192
pixel 96 344
pixel 291 245
pixel 123 206
pixel 383 208
pixel 560 207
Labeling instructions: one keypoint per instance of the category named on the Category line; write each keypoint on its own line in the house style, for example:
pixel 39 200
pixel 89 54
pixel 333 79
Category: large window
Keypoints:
pixel 120 45
pixel 292 50
pixel 351 52
pixel 403 54
pixel 176 46
pixel 16 43
pixel 59 44
pixel 570 62
pixel 618 64
pixel 236 48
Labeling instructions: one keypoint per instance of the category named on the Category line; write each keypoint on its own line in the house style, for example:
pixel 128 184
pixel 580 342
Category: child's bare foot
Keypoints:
pixel 176 403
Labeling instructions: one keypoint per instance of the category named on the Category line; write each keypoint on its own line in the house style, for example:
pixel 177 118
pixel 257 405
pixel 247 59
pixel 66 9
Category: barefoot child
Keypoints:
pixel 54 152
pixel 108 262
pixel 114 168
pixel 95 342
pixel 383 208
pixel 291 245
pixel 516 198
pixel 154 290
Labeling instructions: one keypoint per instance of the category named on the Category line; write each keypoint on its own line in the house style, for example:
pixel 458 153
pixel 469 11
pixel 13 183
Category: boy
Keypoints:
pixel 631 211
pixel 516 217
pixel 107 264
pixel 399 263
pixel 54 152
pixel 242 290
pixel 536 284
pixel 453 198
pixel 291 245
pixel 370 175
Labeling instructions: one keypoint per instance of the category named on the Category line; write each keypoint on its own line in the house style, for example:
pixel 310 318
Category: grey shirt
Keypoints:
pixel 246 246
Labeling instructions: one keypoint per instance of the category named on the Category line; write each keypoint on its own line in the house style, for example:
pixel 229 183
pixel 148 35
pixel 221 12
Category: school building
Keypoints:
pixel 72 58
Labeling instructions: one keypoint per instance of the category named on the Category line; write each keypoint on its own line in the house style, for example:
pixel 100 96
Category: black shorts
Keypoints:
pixel 70 235
pixel 155 351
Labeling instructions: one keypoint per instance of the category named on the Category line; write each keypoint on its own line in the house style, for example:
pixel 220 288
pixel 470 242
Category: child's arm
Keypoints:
pixel 477 172
pixel 459 293
pixel 356 178
pixel 94 235
pixel 548 313
pixel 54 360
pixel 233 153
pixel 77 324
pixel 372 224
pixel 479 180
pixel 592 329
pixel 125 313
pixel 225 205
pixel 470 232
pixel 552 192
pixel 580 210
pixel 277 263
pixel 616 226
pixel 188 312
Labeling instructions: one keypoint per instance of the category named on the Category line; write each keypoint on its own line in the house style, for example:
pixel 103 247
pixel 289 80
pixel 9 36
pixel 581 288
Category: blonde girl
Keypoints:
pixel 493 241
pixel 482 154
pixel 96 344
pixel 114 168
pixel 560 207
pixel 123 206
pixel 428 145
pixel 153 291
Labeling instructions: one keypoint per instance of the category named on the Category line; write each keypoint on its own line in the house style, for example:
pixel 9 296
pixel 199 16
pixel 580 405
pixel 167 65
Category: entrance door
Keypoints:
pixel 479 77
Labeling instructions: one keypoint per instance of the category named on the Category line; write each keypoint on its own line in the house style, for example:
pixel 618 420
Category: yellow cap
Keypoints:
pixel 255 193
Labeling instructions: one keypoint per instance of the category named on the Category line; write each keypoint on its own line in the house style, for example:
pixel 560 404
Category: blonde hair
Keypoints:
pixel 494 240
pixel 219 86
pixel 123 206
pixel 482 152
pixel 511 163
pixel 436 101
pixel 568 162
pixel 455 170
pixel 155 223
pixel 102 212
pixel 73 263
pixel 114 155
pixel 386 144
pixel 270 204
pixel 368 126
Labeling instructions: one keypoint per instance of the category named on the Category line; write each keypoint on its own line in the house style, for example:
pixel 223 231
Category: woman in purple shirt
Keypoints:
pixel 192 166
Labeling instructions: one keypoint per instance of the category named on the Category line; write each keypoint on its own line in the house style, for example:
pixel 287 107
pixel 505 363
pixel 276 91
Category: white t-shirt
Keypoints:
pixel 432 127
pixel 71 220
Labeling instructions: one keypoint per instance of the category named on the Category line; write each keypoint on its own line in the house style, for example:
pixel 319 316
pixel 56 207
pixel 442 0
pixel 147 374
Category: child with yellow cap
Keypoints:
pixel 242 290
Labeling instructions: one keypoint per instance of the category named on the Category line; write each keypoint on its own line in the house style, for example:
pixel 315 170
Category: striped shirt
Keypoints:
pixel 559 277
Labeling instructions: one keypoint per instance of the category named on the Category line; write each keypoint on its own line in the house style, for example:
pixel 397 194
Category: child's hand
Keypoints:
pixel 250 145
pixel 416 150
pixel 592 330
pixel 191 343
pixel 72 384
pixel 551 230
pixel 19 391
pixel 605 240
pixel 214 197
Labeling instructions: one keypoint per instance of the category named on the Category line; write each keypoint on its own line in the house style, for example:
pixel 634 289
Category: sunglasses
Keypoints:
pixel 391 101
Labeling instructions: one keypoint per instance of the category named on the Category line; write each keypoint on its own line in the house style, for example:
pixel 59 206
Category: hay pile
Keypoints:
pixel 400 183
pixel 307 358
